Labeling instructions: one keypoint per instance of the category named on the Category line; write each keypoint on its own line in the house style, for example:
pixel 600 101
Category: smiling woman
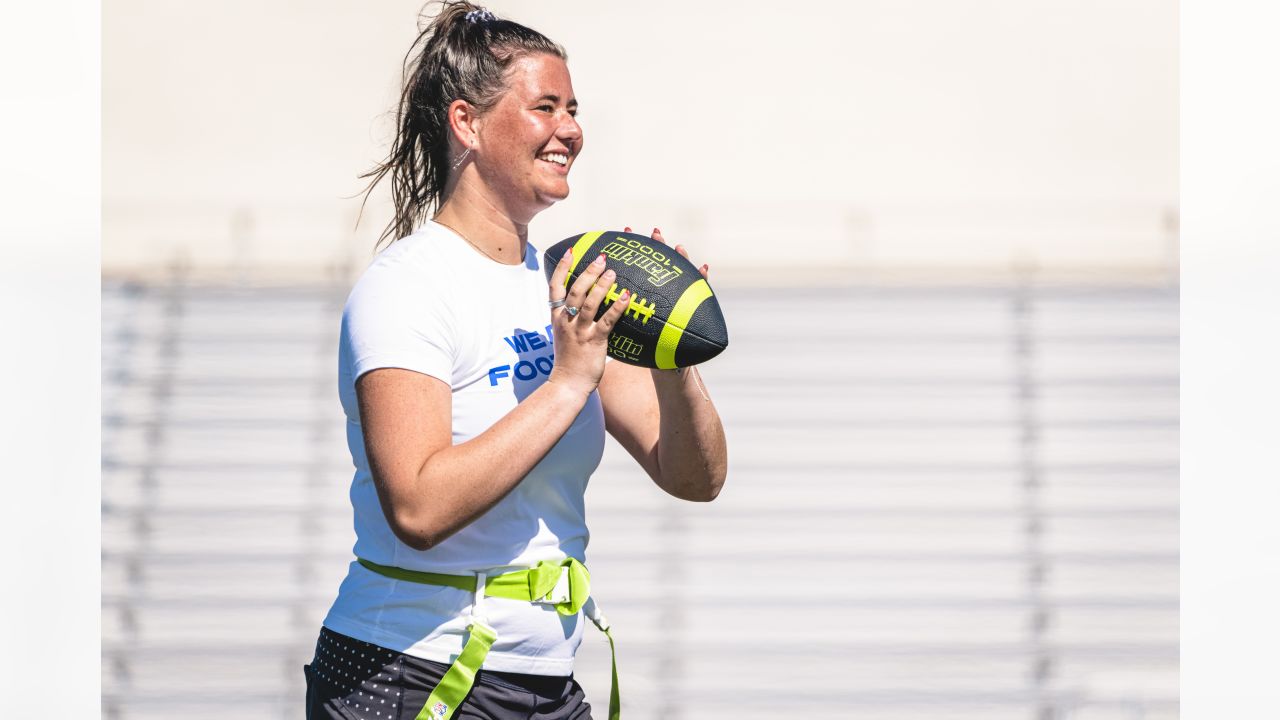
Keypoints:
pixel 464 65
pixel 531 135
pixel 477 400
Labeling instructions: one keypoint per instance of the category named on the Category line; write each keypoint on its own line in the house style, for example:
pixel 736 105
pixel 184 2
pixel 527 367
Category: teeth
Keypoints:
pixel 558 158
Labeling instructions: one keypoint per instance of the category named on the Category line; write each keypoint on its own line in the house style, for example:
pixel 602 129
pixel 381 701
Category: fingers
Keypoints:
pixel 589 292
pixel 705 269
pixel 578 293
pixel 592 302
pixel 619 306
pixel 558 275
pixel 657 236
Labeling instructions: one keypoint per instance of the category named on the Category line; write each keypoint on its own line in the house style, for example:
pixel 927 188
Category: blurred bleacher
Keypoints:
pixel 943 503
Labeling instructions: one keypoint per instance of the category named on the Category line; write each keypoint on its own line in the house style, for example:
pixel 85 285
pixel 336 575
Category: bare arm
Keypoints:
pixel 430 488
pixel 666 423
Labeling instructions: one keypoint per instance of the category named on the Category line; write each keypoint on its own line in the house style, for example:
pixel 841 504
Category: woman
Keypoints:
pixel 468 595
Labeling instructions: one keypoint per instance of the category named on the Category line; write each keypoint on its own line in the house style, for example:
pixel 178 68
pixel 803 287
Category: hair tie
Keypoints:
pixel 480 15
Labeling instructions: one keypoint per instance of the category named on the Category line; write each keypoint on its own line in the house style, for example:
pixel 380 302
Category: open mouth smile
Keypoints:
pixel 560 160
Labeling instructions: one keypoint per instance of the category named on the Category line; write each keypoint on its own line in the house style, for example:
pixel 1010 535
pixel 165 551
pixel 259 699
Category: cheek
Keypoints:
pixel 539 132
pixel 519 139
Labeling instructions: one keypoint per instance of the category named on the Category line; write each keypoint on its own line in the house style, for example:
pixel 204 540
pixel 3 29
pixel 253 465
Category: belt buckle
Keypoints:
pixel 561 593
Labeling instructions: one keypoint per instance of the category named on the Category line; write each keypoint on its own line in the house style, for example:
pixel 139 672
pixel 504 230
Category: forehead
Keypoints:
pixel 533 76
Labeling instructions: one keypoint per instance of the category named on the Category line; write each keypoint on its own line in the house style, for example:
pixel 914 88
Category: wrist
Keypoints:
pixel 684 383
pixel 673 376
pixel 577 389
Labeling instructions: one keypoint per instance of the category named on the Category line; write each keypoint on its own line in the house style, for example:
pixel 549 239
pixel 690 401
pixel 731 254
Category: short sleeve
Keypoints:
pixel 394 320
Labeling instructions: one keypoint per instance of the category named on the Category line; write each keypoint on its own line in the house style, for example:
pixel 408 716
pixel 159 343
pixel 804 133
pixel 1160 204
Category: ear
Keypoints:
pixel 464 123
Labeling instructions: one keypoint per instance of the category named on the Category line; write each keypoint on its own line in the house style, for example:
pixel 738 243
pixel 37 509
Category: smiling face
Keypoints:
pixel 527 142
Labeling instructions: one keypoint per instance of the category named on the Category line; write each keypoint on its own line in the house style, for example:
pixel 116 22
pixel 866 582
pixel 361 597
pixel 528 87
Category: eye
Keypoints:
pixel 546 108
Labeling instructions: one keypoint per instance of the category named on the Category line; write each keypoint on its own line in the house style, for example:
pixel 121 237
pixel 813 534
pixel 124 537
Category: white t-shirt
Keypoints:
pixel 431 303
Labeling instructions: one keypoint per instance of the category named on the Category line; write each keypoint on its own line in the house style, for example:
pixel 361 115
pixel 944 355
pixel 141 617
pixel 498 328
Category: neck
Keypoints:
pixel 486 225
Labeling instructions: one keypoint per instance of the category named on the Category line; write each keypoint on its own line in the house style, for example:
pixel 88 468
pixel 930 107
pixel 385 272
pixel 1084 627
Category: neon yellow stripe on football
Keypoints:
pixel 665 353
pixel 579 249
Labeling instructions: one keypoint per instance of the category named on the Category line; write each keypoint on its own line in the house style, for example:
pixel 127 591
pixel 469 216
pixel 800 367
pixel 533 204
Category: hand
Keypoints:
pixel 581 341
pixel 657 235
pixel 704 269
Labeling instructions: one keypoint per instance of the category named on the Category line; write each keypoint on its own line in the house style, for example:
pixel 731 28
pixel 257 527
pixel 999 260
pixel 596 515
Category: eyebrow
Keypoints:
pixel 573 102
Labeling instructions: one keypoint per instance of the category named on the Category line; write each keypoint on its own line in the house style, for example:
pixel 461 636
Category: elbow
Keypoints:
pixel 697 481
pixel 413 537
pixel 417 542
pixel 714 481
pixel 705 496
pixel 414 530
pixel 703 488
pixel 419 525
pixel 711 491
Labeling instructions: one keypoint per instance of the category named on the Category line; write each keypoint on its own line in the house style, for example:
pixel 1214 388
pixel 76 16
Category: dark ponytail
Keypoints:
pixel 462 53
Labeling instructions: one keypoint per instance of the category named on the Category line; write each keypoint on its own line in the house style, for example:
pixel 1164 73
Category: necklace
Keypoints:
pixel 479 249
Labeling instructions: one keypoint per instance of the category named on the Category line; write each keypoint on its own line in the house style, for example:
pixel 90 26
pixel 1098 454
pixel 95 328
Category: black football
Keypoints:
pixel 673 320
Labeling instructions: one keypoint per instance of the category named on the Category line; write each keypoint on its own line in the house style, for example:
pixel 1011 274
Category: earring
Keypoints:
pixel 461 157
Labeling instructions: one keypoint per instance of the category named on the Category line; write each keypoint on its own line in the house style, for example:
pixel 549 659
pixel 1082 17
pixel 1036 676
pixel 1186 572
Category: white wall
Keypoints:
pixel 863 135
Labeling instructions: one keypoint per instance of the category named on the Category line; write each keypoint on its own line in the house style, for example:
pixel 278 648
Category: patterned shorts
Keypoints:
pixel 351 679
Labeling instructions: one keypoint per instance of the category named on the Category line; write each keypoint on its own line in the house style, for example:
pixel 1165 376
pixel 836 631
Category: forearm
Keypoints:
pixel 692 457
pixel 460 483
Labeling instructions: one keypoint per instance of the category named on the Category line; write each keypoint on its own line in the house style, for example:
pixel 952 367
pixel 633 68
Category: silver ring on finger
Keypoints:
pixel 573 311
pixel 556 303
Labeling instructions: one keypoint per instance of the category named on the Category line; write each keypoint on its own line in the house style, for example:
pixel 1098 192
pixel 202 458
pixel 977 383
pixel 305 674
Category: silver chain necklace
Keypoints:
pixel 458 232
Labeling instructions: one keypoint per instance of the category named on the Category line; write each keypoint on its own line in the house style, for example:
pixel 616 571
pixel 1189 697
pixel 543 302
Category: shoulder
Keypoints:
pixel 398 314
pixel 430 252
pixel 407 292
pixel 417 266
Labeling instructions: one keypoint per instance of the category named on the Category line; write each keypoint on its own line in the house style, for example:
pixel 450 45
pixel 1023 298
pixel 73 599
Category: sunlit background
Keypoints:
pixel 945 236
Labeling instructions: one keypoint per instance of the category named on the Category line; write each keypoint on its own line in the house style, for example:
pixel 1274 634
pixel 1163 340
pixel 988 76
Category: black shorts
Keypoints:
pixel 351 679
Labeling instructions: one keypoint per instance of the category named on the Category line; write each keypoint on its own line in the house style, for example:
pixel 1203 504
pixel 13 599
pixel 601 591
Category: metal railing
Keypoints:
pixel 942 502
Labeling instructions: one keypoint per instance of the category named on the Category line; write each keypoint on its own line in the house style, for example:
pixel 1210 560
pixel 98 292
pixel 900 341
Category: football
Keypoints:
pixel 674 319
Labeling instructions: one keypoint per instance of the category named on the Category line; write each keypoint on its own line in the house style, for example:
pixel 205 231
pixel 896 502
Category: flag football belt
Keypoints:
pixel 565 585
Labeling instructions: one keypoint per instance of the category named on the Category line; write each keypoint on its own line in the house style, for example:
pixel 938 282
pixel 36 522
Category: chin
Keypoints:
pixel 548 198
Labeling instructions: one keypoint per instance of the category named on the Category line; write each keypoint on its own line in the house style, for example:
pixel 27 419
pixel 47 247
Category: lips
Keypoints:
pixel 556 162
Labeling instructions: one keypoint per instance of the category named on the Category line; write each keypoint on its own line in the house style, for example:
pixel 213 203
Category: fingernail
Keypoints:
pixel 624 294
pixel 626 229
pixel 567 255
pixel 600 260
pixel 657 231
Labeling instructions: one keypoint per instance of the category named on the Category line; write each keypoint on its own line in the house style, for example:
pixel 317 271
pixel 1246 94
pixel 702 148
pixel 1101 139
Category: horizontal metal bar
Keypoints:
pixel 753 559
pixel 809 511
pixel 730 599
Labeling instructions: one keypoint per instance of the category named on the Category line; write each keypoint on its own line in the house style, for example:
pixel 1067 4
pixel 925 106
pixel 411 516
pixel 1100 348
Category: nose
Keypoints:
pixel 570 133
